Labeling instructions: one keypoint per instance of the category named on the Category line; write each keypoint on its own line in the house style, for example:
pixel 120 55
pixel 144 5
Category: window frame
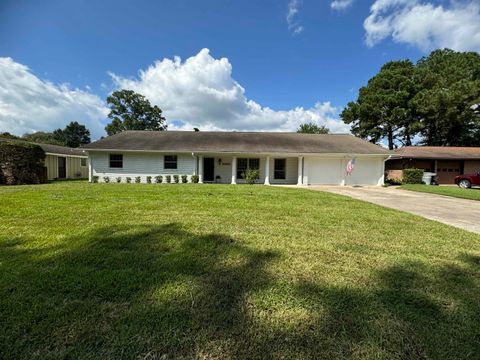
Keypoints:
pixel 283 170
pixel 115 160
pixel 171 162
pixel 81 162
pixel 248 166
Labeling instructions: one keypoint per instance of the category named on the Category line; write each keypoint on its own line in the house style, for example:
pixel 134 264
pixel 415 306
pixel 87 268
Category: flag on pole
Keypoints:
pixel 350 166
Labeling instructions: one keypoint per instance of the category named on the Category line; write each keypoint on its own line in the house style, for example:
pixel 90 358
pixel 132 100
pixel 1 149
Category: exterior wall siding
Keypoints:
pixel 74 168
pixel 139 164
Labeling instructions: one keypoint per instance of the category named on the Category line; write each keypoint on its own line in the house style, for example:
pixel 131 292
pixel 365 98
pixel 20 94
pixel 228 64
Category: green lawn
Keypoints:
pixel 99 271
pixel 472 194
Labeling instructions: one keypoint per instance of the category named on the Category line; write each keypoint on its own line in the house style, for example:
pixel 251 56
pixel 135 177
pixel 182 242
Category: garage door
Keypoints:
pixel 324 171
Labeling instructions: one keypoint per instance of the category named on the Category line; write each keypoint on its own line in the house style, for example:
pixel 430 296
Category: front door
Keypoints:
pixel 208 169
pixel 62 168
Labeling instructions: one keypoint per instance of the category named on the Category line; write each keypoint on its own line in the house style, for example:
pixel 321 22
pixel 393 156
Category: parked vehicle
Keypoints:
pixel 466 181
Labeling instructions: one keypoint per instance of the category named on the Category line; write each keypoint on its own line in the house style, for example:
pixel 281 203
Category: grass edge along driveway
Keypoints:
pixel 453 191
pixel 100 271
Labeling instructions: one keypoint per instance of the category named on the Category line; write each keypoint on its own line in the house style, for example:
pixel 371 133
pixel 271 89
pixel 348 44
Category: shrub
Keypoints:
pixel 95 179
pixel 168 179
pixel 128 179
pixel 22 163
pixel 138 179
pixel 149 179
pixel 412 176
pixel 106 179
pixel 251 176
pixel 119 179
pixel 159 179
pixel 184 179
pixel 393 181
pixel 194 179
pixel 176 179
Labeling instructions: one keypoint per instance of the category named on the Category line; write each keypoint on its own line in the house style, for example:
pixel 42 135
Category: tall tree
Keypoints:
pixel 132 111
pixel 449 85
pixel 312 128
pixel 382 109
pixel 73 135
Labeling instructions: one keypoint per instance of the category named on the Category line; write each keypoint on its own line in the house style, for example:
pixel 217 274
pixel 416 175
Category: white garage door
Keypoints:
pixel 367 171
pixel 324 171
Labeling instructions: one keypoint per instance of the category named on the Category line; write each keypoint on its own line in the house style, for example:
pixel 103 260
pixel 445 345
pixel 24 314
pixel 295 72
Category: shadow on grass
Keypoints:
pixel 163 292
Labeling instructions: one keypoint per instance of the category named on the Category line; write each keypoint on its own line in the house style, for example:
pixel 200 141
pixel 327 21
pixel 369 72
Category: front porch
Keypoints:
pixel 229 169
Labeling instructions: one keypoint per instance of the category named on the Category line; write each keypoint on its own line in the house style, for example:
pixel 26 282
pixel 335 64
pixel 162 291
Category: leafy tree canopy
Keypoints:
pixel 132 111
pixel 73 135
pixel 43 138
pixel 312 128
pixel 433 100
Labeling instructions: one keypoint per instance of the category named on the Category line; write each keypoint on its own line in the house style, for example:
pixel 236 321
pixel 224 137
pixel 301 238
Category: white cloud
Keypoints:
pixel 200 92
pixel 29 104
pixel 340 5
pixel 425 25
pixel 293 23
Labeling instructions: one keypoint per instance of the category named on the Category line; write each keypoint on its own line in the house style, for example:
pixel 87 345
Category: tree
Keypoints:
pixel 446 103
pixel 43 138
pixel 73 135
pixel 382 109
pixel 132 111
pixel 7 135
pixel 312 128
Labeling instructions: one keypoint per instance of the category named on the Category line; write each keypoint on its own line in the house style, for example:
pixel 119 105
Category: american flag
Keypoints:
pixel 350 166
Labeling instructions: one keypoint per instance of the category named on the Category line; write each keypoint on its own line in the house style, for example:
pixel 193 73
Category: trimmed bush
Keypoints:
pixel 168 179
pixel 176 179
pixel 138 179
pixel 119 179
pixel 184 179
pixel 159 179
pixel 251 176
pixel 95 179
pixel 128 179
pixel 412 176
pixel 149 179
pixel 106 179
pixel 194 179
pixel 22 163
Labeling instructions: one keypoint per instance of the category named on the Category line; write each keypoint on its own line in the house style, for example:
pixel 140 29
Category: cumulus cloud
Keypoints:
pixel 29 104
pixel 292 21
pixel 200 92
pixel 339 5
pixel 425 25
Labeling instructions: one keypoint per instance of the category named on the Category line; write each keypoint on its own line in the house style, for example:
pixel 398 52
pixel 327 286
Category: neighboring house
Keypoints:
pixel 223 157
pixel 63 162
pixel 447 161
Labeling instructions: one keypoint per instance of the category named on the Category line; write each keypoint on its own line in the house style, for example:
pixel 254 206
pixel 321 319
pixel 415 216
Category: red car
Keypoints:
pixel 466 181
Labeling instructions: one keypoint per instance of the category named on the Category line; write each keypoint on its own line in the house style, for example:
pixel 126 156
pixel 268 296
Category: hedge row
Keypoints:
pixel 22 163
pixel 149 179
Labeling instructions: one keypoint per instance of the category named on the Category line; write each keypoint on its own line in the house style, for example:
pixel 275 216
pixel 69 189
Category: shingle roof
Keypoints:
pixel 54 149
pixel 439 152
pixel 236 142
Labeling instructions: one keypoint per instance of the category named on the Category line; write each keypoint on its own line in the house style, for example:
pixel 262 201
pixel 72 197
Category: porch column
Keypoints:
pixel 234 170
pixel 300 171
pixel 200 169
pixel 90 174
pixel 343 172
pixel 267 170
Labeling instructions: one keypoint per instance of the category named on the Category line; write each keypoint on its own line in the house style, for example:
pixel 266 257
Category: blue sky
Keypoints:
pixel 284 62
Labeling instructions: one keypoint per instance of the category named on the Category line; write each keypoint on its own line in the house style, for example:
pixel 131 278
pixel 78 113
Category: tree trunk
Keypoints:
pixel 390 138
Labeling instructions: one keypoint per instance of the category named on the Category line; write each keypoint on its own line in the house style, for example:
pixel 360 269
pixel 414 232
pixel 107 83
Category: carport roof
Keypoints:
pixel 236 142
pixel 439 152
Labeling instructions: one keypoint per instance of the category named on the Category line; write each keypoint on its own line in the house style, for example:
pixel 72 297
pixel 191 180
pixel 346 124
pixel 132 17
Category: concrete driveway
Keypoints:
pixel 461 213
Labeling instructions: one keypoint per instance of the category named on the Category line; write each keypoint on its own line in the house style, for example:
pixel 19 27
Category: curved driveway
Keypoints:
pixel 461 213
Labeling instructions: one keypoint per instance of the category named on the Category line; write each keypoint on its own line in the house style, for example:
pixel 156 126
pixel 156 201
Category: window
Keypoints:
pixel 83 162
pixel 170 162
pixel 279 169
pixel 116 160
pixel 244 164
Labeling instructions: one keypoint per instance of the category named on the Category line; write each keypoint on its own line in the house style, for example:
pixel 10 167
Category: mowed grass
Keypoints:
pixel 136 271
pixel 471 194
